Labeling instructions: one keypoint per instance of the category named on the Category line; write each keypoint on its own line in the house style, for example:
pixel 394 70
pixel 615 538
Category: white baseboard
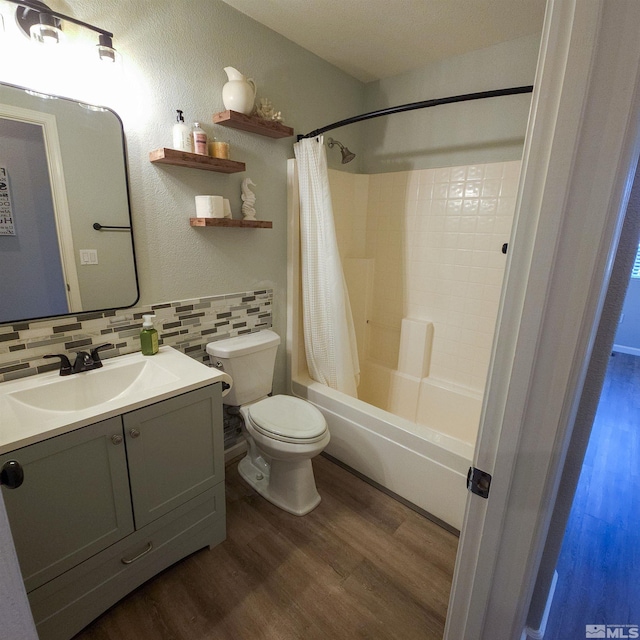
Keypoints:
pixel 632 351
pixel 538 634
pixel 234 451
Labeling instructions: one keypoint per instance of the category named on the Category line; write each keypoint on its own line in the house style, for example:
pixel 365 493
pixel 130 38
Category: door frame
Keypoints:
pixel 53 151
pixel 579 162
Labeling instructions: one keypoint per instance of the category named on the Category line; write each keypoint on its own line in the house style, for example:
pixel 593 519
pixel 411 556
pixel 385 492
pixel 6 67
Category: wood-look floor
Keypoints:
pixel 361 565
pixel 599 565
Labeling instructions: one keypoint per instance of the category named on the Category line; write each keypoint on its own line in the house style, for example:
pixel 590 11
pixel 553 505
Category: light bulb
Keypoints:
pixel 47 31
pixel 106 52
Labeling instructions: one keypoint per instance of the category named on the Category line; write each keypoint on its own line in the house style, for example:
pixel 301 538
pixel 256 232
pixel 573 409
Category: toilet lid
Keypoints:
pixel 287 417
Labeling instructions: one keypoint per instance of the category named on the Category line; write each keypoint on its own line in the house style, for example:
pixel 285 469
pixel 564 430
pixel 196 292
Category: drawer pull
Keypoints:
pixel 144 553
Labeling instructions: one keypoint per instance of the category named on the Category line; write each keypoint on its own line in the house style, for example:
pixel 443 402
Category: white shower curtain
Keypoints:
pixel 329 336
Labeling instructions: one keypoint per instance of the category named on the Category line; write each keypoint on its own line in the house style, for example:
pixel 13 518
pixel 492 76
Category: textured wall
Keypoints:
pixel 173 54
pixel 490 130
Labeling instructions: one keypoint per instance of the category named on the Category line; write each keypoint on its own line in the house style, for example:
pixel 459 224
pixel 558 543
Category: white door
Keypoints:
pixel 578 167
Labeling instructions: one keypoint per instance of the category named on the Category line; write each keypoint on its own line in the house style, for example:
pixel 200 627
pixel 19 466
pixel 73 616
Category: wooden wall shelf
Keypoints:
pixel 228 222
pixel 195 161
pixel 269 128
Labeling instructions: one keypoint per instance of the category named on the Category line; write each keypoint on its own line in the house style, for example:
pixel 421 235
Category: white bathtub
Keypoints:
pixel 420 464
pixel 414 459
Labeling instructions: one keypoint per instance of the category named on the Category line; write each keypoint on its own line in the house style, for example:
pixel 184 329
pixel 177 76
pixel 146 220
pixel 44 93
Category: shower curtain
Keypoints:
pixel 329 335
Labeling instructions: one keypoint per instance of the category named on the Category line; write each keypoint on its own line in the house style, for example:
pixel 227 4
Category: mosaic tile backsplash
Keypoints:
pixel 186 325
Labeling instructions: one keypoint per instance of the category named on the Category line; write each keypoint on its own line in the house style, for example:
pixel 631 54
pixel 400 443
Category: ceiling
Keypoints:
pixel 375 39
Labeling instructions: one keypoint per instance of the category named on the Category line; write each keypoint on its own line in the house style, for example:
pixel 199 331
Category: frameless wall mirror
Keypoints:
pixel 66 243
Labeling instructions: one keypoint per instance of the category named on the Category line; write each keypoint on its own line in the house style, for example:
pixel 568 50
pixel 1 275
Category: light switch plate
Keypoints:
pixel 88 256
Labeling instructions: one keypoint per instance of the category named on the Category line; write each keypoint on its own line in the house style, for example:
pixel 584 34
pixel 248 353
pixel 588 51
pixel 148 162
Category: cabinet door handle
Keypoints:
pixel 134 433
pixel 11 474
pixel 148 548
pixel 116 439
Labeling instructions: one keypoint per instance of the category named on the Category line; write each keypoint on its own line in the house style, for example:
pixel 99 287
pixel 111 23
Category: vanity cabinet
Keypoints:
pixel 174 454
pixel 107 506
pixel 54 517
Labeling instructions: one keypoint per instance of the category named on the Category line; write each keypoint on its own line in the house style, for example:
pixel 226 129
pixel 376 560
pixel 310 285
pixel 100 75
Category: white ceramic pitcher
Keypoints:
pixel 239 94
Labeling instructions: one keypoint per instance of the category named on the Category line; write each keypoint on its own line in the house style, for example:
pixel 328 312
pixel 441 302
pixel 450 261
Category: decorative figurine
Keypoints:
pixel 248 200
pixel 266 111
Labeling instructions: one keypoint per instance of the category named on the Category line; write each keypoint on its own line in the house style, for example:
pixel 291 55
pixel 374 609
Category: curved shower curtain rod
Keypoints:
pixel 424 104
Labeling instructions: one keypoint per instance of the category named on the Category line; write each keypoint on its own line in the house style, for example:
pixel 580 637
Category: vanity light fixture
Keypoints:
pixel 40 23
pixel 47 30
pixel 105 48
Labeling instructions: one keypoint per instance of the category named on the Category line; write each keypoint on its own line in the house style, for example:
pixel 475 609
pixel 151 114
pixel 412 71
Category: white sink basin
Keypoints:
pixel 46 405
pixel 91 388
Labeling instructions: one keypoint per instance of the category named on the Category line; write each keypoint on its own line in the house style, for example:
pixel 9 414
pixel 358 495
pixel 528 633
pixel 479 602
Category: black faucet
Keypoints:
pixel 65 366
pixel 84 361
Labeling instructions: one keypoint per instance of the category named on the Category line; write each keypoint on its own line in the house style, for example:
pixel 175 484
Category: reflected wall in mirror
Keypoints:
pixel 62 170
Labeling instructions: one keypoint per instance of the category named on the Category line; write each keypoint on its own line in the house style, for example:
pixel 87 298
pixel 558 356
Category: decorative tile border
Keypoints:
pixel 186 325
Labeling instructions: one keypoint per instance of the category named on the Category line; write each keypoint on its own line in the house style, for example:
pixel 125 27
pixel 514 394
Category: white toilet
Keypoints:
pixel 283 433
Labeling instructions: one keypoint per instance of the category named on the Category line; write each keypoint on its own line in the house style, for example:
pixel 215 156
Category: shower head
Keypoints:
pixel 347 156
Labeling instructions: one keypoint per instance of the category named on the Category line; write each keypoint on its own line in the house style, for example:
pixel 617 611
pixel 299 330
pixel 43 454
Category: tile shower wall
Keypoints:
pixel 435 237
pixel 186 325
pixel 349 194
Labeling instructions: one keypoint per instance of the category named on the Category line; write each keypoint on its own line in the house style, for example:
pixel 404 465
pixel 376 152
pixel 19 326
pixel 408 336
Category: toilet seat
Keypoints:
pixel 287 419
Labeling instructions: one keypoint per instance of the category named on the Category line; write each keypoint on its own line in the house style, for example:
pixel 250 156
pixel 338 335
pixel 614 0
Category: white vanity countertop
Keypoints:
pixel 70 402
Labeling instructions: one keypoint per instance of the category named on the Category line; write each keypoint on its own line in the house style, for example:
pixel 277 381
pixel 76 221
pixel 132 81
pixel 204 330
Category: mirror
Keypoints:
pixel 66 243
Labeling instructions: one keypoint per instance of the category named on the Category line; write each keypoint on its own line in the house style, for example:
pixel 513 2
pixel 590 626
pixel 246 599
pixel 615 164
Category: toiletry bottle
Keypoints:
pixel 148 336
pixel 199 140
pixel 182 138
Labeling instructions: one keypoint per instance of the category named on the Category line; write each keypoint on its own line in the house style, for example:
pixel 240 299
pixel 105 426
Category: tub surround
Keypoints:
pixel 422 463
pixel 425 245
pixel 423 264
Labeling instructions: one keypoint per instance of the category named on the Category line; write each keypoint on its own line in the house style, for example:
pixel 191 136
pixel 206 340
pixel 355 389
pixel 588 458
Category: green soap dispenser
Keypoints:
pixel 148 336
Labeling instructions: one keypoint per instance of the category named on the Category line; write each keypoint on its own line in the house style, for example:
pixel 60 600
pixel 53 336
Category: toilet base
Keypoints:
pixel 289 484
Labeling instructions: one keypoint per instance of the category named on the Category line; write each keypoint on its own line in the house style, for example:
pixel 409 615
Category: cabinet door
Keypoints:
pixel 74 500
pixel 175 451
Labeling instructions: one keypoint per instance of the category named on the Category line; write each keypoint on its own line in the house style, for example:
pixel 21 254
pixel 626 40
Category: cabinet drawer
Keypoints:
pixel 74 500
pixel 67 604
pixel 175 451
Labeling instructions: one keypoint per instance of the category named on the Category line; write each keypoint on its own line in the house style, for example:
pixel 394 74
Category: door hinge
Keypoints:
pixel 478 482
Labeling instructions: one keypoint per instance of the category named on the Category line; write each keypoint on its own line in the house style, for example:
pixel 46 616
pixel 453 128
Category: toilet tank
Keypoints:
pixel 249 359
